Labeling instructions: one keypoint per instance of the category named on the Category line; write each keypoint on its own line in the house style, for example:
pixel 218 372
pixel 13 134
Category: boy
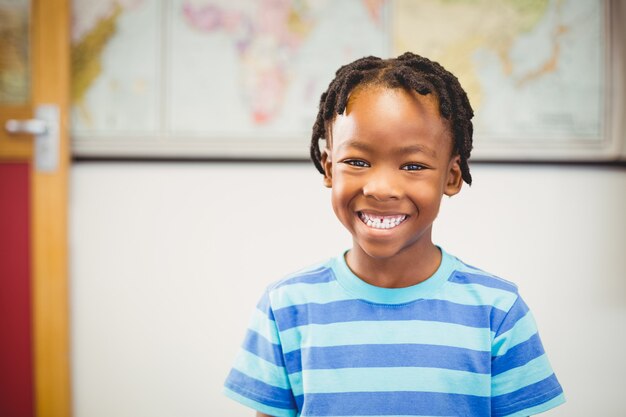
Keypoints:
pixel 395 326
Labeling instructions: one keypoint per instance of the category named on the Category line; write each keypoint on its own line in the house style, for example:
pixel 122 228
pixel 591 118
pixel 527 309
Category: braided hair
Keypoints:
pixel 411 72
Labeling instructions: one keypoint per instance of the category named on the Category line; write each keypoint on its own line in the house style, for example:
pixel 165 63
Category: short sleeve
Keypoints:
pixel 258 378
pixel 522 380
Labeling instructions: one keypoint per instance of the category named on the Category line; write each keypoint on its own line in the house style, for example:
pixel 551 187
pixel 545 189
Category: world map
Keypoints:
pixel 167 71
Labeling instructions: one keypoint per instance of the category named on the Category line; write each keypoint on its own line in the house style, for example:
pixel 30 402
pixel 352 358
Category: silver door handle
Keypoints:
pixel 30 126
pixel 45 127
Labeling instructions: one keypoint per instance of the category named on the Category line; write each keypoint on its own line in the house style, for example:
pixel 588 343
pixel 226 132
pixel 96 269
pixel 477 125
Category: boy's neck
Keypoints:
pixel 402 270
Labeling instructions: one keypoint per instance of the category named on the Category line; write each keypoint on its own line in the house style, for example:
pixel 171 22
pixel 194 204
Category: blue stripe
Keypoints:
pixel 299 401
pixel 537 409
pixel 263 348
pixel 272 411
pixel 316 276
pixel 526 397
pixel 293 361
pixel 395 403
pixel 518 355
pixel 357 310
pixel 517 311
pixel 326 292
pixel 401 355
pixel 259 391
pixel 524 329
pixel 484 280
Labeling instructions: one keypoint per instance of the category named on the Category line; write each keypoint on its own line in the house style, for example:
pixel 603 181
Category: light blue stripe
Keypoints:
pixel 523 330
pixel 297 294
pixel 296 384
pixel 396 379
pixel 262 324
pixel 462 267
pixel 548 405
pixel 272 411
pixel 474 294
pixel 483 279
pixel 386 332
pixel 523 376
pixel 257 368
pixel 328 292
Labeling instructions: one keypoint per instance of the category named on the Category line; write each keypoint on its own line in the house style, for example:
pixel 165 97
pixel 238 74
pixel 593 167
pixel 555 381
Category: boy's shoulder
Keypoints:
pixel 317 273
pixel 465 273
pixel 312 283
pixel 472 285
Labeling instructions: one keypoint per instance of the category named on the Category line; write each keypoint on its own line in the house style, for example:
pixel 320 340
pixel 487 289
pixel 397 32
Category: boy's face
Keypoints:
pixel 389 164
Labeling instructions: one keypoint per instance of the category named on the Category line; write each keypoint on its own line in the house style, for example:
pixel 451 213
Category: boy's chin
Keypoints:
pixel 379 252
pixel 393 249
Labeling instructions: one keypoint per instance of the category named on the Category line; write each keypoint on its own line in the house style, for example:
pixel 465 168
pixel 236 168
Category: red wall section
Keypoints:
pixel 16 368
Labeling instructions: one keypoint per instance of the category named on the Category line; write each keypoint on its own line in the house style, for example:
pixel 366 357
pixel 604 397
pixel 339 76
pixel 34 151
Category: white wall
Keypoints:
pixel 168 260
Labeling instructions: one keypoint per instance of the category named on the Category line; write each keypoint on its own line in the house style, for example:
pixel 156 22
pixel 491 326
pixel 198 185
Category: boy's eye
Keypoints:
pixel 356 163
pixel 412 167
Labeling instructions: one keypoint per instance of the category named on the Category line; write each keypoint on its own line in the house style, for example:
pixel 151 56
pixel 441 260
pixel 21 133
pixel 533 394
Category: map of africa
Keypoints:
pixel 155 72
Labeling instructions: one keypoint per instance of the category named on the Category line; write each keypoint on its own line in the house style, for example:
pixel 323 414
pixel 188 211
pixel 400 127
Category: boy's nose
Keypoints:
pixel 382 186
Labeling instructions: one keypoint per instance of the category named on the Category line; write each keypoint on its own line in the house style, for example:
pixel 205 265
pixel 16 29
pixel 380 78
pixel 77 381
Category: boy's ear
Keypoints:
pixel 454 182
pixel 328 165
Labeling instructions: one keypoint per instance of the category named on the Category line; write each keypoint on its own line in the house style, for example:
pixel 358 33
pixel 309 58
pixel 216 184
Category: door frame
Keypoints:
pixel 50 84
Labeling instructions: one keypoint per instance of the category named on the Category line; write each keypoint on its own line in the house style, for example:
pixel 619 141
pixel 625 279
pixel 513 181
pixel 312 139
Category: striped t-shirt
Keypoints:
pixel 325 343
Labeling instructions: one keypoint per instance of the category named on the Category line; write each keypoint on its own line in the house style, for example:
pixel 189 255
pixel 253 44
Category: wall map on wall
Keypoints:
pixel 211 78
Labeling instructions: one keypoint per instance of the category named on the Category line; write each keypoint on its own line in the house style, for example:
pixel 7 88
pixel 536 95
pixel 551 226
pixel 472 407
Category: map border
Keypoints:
pixel 611 146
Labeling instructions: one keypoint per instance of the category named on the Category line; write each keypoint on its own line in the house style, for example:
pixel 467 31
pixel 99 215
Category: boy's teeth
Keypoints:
pixel 382 222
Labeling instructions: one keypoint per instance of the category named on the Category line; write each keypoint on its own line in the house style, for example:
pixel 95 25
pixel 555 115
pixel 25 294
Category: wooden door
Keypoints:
pixel 34 331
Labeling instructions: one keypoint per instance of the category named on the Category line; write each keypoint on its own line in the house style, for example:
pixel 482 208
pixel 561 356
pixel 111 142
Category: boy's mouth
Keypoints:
pixel 382 222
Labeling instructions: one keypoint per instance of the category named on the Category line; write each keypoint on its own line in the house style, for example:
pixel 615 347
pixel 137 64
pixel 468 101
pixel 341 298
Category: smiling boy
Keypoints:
pixel 388 164
pixel 395 326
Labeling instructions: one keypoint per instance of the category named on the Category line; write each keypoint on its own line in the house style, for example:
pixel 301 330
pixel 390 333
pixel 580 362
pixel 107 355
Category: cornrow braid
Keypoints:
pixel 408 71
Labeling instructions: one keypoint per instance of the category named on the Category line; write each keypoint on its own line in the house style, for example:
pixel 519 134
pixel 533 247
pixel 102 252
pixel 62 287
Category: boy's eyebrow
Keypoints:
pixel 417 149
pixel 353 143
